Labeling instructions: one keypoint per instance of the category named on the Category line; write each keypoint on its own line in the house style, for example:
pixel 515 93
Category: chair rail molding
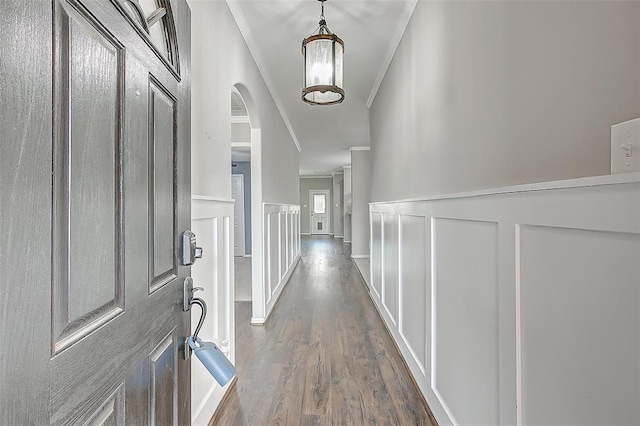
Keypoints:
pixel 516 305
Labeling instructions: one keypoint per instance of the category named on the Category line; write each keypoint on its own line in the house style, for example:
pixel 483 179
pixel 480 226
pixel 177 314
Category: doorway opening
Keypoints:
pixel 241 179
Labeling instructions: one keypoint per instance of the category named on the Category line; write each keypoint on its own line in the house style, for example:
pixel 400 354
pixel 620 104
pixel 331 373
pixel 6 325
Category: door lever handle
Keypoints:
pixel 187 293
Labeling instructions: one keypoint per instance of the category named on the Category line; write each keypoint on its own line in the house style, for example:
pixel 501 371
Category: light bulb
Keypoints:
pixel 321 73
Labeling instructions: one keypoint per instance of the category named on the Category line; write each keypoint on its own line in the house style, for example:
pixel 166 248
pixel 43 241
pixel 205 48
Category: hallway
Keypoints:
pixel 324 356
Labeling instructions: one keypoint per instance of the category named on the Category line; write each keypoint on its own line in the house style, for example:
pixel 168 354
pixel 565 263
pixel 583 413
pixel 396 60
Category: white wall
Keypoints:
pixel 221 59
pixel 360 196
pixel 517 306
pixel 484 94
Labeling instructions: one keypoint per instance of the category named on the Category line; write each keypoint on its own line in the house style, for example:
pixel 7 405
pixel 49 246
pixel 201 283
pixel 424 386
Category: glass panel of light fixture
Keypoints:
pixel 323 98
pixel 319 63
pixel 339 70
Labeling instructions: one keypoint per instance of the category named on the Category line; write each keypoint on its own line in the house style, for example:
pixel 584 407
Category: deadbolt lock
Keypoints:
pixel 190 252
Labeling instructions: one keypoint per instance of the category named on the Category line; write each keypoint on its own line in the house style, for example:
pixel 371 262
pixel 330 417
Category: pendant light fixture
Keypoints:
pixel 323 66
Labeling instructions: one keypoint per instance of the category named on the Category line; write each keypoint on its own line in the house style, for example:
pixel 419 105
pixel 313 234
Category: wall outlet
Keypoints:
pixel 625 147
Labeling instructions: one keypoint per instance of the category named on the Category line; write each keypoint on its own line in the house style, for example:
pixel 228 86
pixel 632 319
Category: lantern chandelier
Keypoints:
pixel 323 66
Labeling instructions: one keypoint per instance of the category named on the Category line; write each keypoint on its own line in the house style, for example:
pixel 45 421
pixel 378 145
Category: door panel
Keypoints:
pixel 320 205
pixel 96 177
pixel 86 191
pixel 111 413
pixel 164 381
pixel 91 170
pixel 162 122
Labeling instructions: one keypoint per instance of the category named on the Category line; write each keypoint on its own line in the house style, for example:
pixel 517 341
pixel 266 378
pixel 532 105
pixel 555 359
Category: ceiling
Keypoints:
pixel 371 30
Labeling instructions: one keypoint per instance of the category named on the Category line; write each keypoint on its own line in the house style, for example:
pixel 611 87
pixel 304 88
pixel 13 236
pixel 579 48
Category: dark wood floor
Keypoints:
pixel 324 356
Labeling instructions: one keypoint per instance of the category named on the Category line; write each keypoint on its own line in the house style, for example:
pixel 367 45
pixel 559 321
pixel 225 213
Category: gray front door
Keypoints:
pixel 94 193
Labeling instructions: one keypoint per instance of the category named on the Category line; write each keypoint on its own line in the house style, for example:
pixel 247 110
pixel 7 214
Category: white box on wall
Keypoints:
pixel 625 147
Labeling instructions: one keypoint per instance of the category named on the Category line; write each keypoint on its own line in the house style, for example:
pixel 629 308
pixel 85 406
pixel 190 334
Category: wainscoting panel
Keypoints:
pixel 212 222
pixel 273 253
pixel 595 276
pixel 390 266
pixel 376 253
pixel 291 238
pixel 465 319
pixel 415 288
pixel 518 305
pixel 284 241
pixel 281 242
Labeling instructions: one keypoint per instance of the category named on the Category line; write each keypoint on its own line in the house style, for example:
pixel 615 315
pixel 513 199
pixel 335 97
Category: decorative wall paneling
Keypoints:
pixel 212 222
pixel 517 306
pixel 281 242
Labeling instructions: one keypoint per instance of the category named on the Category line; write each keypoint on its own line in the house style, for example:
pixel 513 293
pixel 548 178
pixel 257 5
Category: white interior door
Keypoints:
pixel 237 193
pixel 320 203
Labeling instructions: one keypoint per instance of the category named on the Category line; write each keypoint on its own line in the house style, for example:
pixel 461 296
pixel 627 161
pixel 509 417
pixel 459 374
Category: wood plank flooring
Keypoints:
pixel 324 356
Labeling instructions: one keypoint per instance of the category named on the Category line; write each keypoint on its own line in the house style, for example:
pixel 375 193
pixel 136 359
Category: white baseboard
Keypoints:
pixel 338 236
pixel 305 233
pixel 359 256
pixel 247 255
pixel 347 241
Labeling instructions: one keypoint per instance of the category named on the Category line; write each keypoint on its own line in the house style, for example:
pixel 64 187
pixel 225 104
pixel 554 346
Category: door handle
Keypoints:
pixel 187 293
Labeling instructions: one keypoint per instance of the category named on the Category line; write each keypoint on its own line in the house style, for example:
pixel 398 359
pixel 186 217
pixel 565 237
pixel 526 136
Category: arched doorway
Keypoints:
pixel 246 154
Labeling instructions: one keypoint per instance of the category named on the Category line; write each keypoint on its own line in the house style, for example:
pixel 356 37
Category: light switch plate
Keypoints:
pixel 625 147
